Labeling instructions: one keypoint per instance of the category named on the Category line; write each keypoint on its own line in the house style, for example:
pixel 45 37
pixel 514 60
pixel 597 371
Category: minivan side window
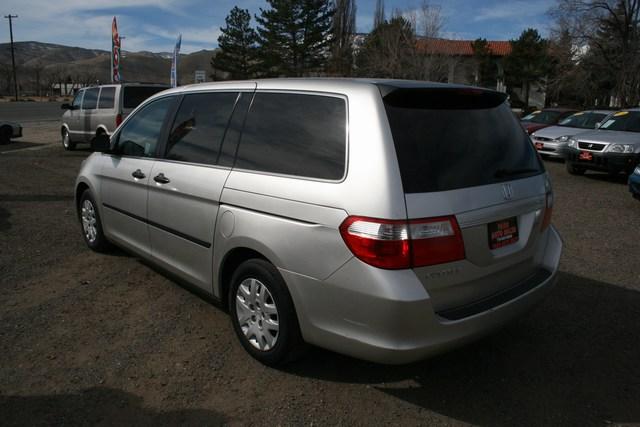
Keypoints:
pixel 77 101
pixel 199 127
pixel 107 95
pixel 140 134
pixel 90 98
pixel 295 134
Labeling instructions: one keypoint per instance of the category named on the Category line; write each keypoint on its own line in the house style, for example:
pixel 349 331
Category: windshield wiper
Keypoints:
pixel 501 173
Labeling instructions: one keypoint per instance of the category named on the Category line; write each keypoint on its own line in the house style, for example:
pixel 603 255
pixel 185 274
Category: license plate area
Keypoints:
pixel 585 155
pixel 539 145
pixel 503 232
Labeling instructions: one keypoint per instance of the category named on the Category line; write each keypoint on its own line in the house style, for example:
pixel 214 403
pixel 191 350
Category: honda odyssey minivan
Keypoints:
pixel 386 220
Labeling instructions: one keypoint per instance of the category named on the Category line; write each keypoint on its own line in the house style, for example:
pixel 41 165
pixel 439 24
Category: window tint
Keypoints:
pixel 77 101
pixel 543 117
pixel 90 98
pixel 583 120
pixel 107 94
pixel 134 95
pixel 302 135
pixel 451 138
pixel 139 136
pixel 199 127
pixel 628 121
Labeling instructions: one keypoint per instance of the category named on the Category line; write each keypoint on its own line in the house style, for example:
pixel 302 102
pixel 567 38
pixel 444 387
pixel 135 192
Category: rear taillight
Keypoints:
pixel 118 120
pixel 393 244
pixel 548 210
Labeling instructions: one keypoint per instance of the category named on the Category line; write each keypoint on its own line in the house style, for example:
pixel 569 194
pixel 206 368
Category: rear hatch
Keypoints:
pixel 463 155
pixel 133 95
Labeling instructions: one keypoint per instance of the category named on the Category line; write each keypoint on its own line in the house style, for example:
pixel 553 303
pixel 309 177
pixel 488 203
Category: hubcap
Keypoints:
pixel 65 138
pixel 89 221
pixel 257 314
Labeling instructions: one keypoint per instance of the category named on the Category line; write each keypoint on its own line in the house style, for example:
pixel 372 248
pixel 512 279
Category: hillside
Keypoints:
pixel 52 63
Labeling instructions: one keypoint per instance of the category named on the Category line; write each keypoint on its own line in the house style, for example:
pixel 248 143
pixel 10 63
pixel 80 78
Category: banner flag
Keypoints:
pixel 115 53
pixel 174 62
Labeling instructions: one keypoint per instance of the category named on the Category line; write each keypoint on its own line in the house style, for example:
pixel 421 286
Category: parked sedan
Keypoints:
pixel 613 148
pixel 634 182
pixel 9 130
pixel 544 118
pixel 552 141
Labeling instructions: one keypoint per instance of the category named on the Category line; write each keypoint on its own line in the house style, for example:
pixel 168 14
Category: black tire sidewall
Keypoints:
pixel 289 331
pixel 100 244
pixel 575 170
pixel 5 135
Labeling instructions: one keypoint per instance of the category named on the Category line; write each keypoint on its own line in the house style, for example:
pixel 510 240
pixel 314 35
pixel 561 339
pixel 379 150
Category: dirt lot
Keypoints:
pixel 104 339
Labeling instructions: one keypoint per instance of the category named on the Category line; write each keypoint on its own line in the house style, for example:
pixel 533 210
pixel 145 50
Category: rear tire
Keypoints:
pixel 263 315
pixel 573 169
pixel 5 134
pixel 91 224
pixel 66 141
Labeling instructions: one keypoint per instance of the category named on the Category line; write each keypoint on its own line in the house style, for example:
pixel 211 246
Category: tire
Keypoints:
pixel 5 135
pixel 573 169
pixel 91 224
pixel 263 315
pixel 66 141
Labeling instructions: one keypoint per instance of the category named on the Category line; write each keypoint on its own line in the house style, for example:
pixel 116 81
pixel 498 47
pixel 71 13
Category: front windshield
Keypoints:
pixel 583 120
pixel 542 117
pixel 627 121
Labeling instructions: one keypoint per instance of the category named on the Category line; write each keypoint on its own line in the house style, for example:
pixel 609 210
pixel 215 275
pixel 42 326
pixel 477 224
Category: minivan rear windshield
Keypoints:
pixel 453 138
pixel 134 95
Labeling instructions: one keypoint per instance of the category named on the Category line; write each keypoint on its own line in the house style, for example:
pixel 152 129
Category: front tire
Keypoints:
pixel 66 141
pixel 263 315
pixel 573 169
pixel 91 224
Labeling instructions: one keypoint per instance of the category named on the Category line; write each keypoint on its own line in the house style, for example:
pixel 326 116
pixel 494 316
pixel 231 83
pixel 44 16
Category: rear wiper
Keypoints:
pixel 501 173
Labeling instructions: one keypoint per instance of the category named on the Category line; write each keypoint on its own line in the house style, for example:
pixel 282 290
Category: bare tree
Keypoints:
pixel 342 32
pixel 610 31
pixel 379 15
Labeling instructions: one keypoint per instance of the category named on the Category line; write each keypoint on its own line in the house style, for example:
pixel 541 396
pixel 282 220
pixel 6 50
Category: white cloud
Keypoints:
pixel 516 10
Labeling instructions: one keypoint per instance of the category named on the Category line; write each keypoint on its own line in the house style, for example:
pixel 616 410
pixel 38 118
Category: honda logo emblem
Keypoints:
pixel 590 145
pixel 507 191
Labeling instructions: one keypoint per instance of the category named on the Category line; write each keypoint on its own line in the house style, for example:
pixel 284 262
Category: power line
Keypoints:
pixel 13 56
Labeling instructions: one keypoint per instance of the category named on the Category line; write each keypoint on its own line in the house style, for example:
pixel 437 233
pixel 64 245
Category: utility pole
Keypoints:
pixel 13 56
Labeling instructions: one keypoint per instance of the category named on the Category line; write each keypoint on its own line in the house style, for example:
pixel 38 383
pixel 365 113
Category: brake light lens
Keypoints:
pixel 118 119
pixel 399 244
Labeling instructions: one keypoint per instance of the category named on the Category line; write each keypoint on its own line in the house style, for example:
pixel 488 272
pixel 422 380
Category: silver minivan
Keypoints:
pixel 100 109
pixel 386 220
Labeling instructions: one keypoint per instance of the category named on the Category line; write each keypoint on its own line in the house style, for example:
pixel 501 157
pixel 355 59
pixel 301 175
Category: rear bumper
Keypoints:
pixel 387 316
pixel 605 162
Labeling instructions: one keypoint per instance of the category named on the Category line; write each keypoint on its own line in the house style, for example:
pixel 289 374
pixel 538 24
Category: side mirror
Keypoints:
pixel 66 107
pixel 101 143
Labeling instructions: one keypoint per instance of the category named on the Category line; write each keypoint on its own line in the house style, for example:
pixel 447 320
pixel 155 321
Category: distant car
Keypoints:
pixel 634 182
pixel 540 119
pixel 100 110
pixel 9 130
pixel 613 148
pixel 552 141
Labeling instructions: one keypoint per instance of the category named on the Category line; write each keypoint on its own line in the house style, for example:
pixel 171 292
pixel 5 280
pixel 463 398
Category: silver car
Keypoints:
pixel 386 220
pixel 553 140
pixel 100 109
pixel 613 148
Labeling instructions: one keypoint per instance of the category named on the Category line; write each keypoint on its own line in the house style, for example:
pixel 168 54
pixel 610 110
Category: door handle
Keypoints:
pixel 160 178
pixel 138 174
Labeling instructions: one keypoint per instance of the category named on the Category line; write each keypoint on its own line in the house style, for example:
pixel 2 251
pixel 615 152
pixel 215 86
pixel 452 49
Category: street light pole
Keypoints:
pixel 13 56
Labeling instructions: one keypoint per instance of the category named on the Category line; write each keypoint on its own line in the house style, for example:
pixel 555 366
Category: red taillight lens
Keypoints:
pixel 118 120
pixel 548 210
pixel 400 244
pixel 435 241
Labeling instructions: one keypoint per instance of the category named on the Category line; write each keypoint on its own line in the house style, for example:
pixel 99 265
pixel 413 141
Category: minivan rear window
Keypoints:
pixel 453 138
pixel 134 95
pixel 295 134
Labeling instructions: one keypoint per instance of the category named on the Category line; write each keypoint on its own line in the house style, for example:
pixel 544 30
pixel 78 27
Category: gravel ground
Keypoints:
pixel 104 339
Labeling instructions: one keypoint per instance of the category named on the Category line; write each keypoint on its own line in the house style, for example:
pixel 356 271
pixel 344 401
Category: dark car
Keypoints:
pixel 540 119
pixel 634 182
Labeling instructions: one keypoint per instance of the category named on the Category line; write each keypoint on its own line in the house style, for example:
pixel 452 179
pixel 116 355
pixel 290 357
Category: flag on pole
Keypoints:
pixel 115 52
pixel 174 62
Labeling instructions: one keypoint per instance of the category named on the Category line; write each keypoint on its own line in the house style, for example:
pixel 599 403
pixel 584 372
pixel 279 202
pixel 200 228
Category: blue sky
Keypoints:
pixel 154 24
